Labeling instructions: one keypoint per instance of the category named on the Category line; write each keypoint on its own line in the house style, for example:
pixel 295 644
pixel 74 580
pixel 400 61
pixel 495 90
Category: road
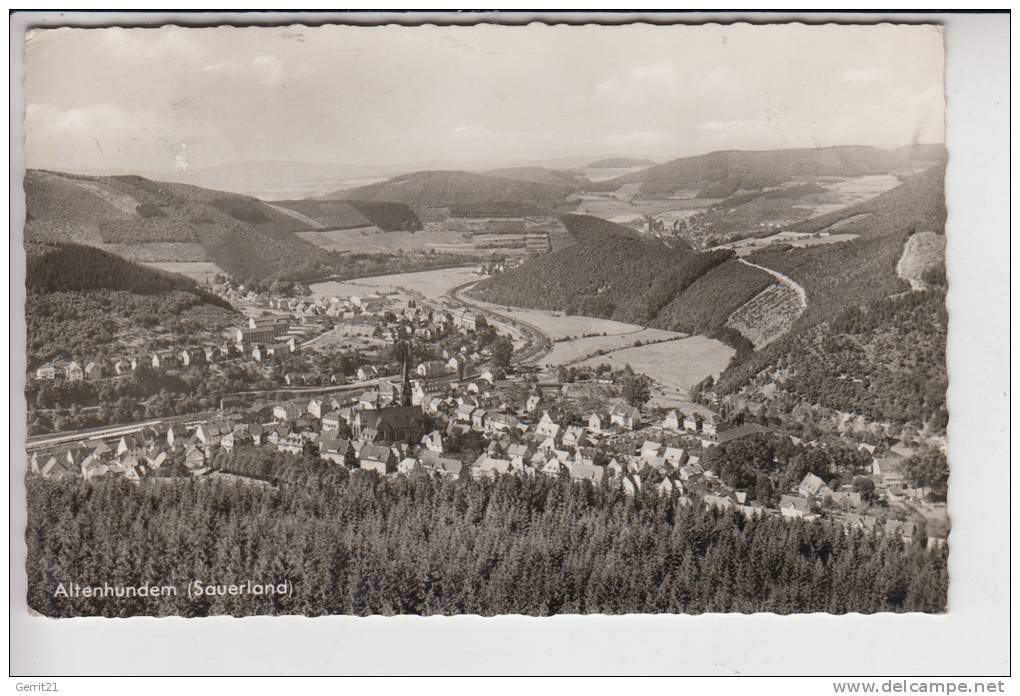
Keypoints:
pixel 540 343
pixel 785 280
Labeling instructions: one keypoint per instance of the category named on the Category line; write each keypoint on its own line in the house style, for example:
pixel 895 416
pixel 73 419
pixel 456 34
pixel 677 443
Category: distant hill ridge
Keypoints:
pixel 441 188
pixel 159 221
pixel 757 169
pixel 619 163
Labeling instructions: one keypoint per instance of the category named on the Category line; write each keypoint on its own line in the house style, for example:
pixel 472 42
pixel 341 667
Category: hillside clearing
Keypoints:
pixel 430 284
pixel 675 366
pixel 565 352
pixel 921 252
pixel 201 272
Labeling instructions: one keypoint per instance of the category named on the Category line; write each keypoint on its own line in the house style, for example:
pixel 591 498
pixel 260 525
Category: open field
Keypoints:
pixel 349 336
pixel 565 352
pixel 845 191
pixel 745 247
pixel 370 240
pixel 201 271
pixel 674 365
pixel 430 284
pixel 615 210
pixel 558 325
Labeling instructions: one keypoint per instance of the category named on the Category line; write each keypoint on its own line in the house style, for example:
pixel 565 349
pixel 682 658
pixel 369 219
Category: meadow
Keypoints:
pixel 565 352
pixel 675 366
pixel 200 271
pixel 370 240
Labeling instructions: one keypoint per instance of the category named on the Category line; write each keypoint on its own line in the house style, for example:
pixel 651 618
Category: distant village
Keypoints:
pixel 288 325
pixel 395 427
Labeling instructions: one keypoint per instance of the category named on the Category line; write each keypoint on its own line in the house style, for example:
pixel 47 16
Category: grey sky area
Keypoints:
pixel 172 98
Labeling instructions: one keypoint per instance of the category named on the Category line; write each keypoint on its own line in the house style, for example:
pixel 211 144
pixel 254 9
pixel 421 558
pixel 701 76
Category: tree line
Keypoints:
pixel 355 543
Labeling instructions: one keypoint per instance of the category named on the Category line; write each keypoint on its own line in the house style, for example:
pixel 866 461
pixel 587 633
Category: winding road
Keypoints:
pixel 540 343
pixel 785 280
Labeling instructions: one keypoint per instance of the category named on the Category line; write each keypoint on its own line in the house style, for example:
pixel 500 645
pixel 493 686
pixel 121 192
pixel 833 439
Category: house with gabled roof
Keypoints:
pixel 518 454
pixel 74 372
pixel 673 420
pixel 533 402
pixel 487 466
pixel 585 471
pixel 546 427
pixel 650 450
pixel 378 458
pixel 336 450
pixel 812 486
pixel 176 433
pixel 625 416
pixel 574 436
pixel 128 443
pixel 675 456
pixel 49 371
pixel 794 506
pixel 194 458
pixel 212 432
pixel 433 441
pixel 631 483
pixel 496 422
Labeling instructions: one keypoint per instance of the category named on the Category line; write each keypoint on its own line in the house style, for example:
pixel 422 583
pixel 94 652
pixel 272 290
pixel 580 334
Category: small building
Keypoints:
pixel 378 458
pixel 813 487
pixel 332 420
pixel 48 371
pixel 673 420
pixel 625 416
pixel 794 506
pixel 336 450
pixel 74 372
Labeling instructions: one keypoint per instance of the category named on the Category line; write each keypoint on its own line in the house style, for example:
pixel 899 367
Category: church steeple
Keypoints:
pixel 405 386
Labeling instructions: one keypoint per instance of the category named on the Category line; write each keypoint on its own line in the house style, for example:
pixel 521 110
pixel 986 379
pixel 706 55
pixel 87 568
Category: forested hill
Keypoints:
pixel 78 268
pixel 145 220
pixel 720 174
pixel 612 272
pixel 319 214
pixel 867 344
pixel 440 188
pixel 86 303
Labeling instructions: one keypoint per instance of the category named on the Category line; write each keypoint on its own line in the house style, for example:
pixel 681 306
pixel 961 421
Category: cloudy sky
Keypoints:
pixel 159 99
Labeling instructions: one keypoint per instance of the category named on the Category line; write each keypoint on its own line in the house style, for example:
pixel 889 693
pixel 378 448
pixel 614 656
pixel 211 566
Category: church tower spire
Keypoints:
pixel 405 386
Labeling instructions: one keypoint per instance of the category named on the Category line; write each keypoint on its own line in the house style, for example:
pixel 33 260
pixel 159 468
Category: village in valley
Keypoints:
pixel 411 359
pixel 448 389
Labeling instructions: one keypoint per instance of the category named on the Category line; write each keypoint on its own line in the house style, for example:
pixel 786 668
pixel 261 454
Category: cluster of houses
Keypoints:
pixel 402 426
pixel 261 339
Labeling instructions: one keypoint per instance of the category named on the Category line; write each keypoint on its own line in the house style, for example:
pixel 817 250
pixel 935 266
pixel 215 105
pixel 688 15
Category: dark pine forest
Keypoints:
pixel 354 543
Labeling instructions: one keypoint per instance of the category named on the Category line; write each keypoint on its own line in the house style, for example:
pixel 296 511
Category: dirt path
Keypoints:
pixel 303 219
pixel 785 280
